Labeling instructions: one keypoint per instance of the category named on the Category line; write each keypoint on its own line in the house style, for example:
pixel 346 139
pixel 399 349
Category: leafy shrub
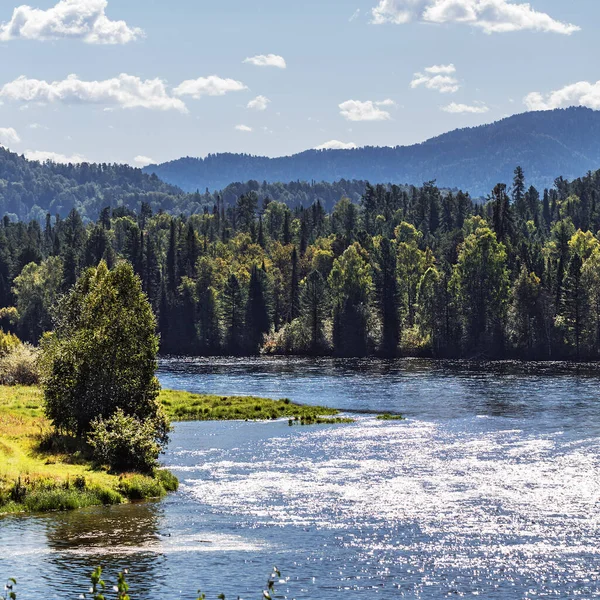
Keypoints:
pixel 19 365
pixel 8 341
pixel 125 443
pixel 140 487
pixel 167 479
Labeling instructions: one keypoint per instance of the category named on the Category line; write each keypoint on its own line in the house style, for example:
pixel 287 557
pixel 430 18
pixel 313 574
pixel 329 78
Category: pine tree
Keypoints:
pixel 233 311
pixel 257 313
pixel 387 293
pixel 294 288
pixel 313 303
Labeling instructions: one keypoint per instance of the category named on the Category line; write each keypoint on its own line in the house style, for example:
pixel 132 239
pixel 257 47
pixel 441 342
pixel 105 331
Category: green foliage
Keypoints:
pixel 8 342
pixel 102 355
pixel 347 269
pixel 124 443
pixel 138 487
pixel 480 280
pixel 36 290
pixel 20 365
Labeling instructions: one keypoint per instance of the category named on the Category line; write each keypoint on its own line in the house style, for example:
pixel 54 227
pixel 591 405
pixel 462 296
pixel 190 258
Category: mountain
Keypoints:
pixel 545 143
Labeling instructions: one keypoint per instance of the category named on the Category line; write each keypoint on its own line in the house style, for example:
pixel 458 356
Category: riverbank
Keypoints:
pixel 37 476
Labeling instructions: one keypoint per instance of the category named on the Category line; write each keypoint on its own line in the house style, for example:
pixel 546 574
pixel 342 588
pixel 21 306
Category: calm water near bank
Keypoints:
pixel 491 488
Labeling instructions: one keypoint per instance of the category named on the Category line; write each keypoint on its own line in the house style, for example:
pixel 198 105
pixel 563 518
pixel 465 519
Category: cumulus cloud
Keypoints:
pixel 124 91
pixel 208 86
pixel 476 109
pixel 143 161
pixel 582 93
pixel 243 128
pixel 259 103
pixel 492 16
pixel 437 77
pixel 337 145
pixel 43 156
pixel 73 19
pixel 8 136
pixel 267 60
pixel 355 110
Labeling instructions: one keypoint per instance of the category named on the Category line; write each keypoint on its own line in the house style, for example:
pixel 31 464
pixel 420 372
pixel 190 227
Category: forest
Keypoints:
pixel 544 143
pixel 29 190
pixel 403 272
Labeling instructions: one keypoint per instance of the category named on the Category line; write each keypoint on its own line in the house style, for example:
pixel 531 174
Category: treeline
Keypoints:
pixel 404 272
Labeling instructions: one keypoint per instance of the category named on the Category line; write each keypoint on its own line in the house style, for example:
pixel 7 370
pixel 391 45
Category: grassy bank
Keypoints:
pixel 183 406
pixel 36 476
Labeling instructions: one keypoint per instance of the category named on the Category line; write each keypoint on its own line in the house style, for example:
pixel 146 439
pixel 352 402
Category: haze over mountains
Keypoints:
pixel 546 144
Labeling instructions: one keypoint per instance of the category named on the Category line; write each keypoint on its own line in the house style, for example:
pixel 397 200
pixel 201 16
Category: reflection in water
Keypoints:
pixel 77 542
pixel 491 488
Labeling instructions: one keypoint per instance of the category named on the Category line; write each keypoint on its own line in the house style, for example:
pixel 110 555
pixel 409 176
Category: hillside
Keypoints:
pixel 29 189
pixel 565 141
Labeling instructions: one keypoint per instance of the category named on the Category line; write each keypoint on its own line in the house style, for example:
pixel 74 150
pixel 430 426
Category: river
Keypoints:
pixel 490 488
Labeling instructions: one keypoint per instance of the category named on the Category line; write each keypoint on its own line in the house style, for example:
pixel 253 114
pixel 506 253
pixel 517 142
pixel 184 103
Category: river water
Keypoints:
pixel 490 488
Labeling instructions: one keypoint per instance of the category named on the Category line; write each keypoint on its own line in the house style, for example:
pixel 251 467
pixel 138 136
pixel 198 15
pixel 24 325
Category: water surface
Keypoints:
pixel 489 489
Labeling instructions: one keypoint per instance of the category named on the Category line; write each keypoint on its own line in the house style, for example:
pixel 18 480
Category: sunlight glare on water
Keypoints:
pixel 489 489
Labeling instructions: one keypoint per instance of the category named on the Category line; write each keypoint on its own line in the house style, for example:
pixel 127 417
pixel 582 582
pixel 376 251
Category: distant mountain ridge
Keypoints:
pixel 545 143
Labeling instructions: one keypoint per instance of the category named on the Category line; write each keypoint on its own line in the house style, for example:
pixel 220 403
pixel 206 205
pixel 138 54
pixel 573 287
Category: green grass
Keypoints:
pixel 183 406
pixel 38 477
pixel 41 472
pixel 389 417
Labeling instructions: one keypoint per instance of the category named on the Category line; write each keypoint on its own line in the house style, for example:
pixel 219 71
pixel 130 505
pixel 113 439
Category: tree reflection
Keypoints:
pixel 117 538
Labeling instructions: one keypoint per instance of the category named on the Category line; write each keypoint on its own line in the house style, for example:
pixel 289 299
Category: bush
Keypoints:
pixel 8 342
pixel 139 487
pixel 20 365
pixel 125 443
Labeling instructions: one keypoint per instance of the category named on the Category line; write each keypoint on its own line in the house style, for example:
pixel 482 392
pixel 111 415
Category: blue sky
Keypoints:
pixel 158 80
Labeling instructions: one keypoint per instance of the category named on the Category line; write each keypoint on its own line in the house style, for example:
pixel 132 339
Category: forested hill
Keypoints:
pixel 565 141
pixel 30 190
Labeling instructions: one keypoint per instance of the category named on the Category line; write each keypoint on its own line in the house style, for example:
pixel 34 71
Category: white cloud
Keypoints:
pixel 492 16
pixel 259 103
pixel 143 161
pixel 355 110
pixel 124 91
pixel 43 156
pixel 208 86
pixel 476 109
pixel 267 60
pixel 8 136
pixel 582 93
pixel 355 15
pixel 37 126
pixel 437 77
pixel 73 19
pixel 243 128
pixel 337 145
pixel 441 69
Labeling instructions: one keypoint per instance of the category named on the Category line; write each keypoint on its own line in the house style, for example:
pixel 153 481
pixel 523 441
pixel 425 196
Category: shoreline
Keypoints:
pixel 36 477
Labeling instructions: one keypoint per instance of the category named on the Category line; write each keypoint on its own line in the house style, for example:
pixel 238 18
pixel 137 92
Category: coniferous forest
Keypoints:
pixel 402 272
